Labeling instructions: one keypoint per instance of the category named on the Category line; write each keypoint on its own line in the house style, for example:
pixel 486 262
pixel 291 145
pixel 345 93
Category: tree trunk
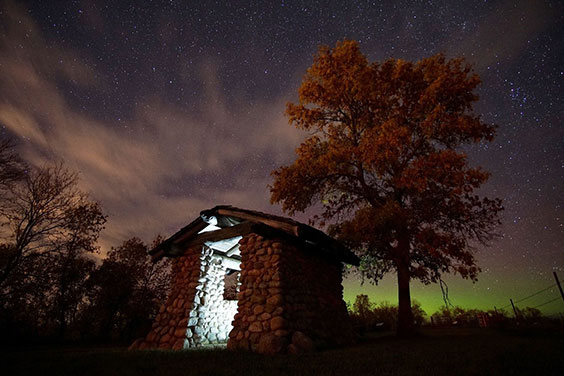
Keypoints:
pixel 405 315
pixel 62 323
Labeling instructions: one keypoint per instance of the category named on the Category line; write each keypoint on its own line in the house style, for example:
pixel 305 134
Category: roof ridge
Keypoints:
pixel 298 230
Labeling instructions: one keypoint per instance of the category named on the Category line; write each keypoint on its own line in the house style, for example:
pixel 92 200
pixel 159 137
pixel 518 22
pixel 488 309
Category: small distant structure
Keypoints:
pixel 254 281
pixel 483 319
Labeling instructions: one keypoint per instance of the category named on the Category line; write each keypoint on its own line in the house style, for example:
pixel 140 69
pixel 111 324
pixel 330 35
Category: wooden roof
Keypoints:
pixel 234 222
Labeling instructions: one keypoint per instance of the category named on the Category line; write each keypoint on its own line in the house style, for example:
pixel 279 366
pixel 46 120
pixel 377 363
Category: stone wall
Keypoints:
pixel 259 324
pixel 313 293
pixel 169 330
pixel 195 313
pixel 290 299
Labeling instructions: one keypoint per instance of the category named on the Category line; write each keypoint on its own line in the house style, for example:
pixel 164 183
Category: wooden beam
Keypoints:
pixel 292 229
pixel 212 236
pixel 229 263
pixel 330 245
pixel 193 231
pixel 233 250
pixel 164 249
pixel 158 255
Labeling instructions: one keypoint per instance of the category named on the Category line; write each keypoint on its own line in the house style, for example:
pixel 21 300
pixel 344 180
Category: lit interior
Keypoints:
pixel 211 317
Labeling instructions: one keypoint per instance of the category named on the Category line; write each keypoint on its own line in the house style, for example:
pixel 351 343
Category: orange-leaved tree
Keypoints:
pixel 382 162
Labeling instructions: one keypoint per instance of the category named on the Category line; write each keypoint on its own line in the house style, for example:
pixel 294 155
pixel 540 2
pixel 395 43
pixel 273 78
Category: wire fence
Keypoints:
pixel 545 303
pixel 532 295
pixel 551 287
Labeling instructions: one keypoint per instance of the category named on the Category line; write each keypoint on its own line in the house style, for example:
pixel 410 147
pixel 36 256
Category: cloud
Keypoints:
pixel 154 172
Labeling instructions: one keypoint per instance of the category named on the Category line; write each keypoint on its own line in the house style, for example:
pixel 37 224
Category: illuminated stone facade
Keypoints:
pixel 195 313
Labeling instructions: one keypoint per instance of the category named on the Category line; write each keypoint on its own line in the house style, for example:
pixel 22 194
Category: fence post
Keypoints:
pixel 514 310
pixel 559 285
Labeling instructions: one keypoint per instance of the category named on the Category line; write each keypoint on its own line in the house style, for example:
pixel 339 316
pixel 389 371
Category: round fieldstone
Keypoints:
pixel 277 322
pixel 255 327
pixel 303 342
pixel 271 344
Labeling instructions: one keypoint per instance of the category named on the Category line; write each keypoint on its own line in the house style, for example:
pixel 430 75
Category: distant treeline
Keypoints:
pixel 368 316
pixel 51 286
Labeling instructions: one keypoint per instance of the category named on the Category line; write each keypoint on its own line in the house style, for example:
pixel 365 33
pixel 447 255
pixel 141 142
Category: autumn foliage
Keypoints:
pixel 383 163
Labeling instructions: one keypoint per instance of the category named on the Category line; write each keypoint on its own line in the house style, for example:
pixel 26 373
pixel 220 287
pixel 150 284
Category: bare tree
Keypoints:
pixel 11 166
pixel 46 214
pixel 48 229
pixel 34 214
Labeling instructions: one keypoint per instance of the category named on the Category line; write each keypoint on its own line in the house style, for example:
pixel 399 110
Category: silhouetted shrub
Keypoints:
pixel 367 316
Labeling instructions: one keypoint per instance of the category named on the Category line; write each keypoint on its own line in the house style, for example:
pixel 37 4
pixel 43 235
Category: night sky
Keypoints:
pixel 168 108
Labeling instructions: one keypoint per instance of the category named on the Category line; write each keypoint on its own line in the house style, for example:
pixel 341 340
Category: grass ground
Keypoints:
pixel 435 352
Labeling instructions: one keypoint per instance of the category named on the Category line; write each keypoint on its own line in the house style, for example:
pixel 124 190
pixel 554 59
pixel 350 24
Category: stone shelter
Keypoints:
pixel 255 281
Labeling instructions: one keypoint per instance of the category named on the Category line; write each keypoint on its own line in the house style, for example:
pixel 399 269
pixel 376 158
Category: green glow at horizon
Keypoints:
pixel 485 294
